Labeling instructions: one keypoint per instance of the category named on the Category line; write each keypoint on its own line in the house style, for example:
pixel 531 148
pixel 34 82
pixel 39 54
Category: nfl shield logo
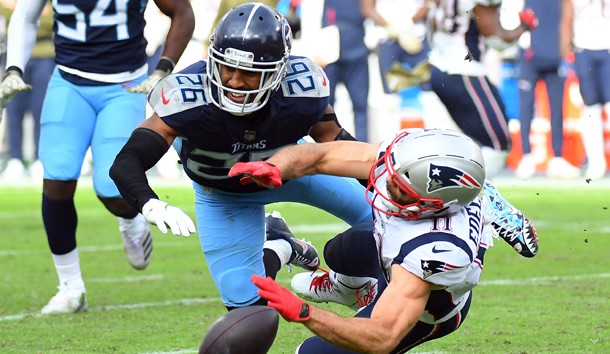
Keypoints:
pixel 249 135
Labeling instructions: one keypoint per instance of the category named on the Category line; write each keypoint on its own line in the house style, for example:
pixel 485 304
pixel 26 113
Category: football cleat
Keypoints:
pixel 14 170
pixel 137 241
pixel 510 224
pixel 66 301
pixel 527 167
pixel 323 286
pixel 303 254
pixel 558 167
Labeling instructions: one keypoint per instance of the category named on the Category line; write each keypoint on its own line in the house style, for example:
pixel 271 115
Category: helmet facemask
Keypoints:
pixel 255 38
pixel 412 210
pixel 271 73
pixel 411 163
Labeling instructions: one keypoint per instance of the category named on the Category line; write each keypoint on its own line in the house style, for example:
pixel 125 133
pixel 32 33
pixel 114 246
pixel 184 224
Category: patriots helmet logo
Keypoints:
pixel 441 177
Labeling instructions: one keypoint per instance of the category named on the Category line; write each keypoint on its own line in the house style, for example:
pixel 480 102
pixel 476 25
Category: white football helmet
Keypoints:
pixel 251 37
pixel 441 169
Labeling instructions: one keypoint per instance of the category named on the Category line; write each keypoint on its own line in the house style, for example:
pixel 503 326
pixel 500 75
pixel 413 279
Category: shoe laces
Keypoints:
pixel 363 297
pixel 321 283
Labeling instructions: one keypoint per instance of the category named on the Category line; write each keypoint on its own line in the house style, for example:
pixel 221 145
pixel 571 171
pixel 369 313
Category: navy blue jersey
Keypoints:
pixel 545 39
pixel 100 36
pixel 213 140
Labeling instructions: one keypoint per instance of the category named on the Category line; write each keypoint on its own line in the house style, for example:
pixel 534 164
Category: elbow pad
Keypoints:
pixel 141 152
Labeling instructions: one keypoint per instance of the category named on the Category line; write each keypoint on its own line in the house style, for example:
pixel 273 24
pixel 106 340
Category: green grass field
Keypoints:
pixel 557 302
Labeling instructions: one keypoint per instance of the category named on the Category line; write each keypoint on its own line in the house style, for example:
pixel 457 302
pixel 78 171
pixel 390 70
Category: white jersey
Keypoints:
pixel 591 24
pixel 457 45
pixel 445 251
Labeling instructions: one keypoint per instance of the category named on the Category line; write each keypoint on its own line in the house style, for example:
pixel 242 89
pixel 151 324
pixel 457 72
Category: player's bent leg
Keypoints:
pixel 302 254
pixel 509 223
pixel 353 252
pixel 236 289
pixel 340 196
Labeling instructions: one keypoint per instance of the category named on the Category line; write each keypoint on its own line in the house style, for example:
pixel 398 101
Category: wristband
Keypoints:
pixel 14 68
pixel 165 64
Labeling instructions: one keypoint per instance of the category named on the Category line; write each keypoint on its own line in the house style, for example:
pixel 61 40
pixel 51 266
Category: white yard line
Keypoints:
pixel 520 282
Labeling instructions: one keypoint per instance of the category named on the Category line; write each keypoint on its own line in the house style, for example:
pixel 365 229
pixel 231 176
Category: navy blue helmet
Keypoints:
pixel 252 37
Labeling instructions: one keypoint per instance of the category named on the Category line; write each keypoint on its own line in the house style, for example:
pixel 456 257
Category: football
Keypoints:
pixel 250 329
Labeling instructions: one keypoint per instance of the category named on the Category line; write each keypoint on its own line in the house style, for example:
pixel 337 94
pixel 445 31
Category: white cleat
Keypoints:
pixel 66 301
pixel 36 170
pixel 596 169
pixel 559 168
pixel 137 241
pixel 14 170
pixel 322 286
pixel 527 167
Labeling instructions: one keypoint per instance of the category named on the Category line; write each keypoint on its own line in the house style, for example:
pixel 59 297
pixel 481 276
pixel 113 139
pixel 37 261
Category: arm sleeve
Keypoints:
pixel 21 35
pixel 141 152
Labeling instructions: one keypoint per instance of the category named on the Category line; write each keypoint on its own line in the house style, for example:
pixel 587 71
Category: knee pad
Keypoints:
pixel 235 287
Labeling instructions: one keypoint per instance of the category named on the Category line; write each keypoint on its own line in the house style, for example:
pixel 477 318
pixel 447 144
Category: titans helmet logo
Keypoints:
pixel 440 177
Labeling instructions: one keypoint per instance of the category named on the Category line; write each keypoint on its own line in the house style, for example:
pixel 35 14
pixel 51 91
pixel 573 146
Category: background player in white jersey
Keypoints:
pixel 100 51
pixel 582 25
pixel 249 99
pixel 430 235
pixel 460 31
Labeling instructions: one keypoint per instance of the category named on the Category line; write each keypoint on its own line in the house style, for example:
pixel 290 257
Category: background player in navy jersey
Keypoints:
pixel 100 51
pixel 430 234
pixel 461 29
pixel 581 23
pixel 249 99
pixel 542 60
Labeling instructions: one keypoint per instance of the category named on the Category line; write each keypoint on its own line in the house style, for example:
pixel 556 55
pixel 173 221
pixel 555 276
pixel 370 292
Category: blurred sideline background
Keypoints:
pixel 387 112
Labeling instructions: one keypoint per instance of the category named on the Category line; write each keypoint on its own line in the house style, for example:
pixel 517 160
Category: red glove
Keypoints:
pixel 528 19
pixel 262 173
pixel 283 300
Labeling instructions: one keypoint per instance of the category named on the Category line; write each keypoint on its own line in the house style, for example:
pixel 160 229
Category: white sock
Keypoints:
pixel 282 248
pixel 68 270
pixel 349 281
pixel 592 132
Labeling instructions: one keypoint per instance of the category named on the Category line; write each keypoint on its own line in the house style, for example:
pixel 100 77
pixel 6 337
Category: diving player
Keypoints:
pixel 426 248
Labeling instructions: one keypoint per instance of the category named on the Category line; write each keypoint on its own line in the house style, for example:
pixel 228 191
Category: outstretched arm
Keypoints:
pixel 394 315
pixel 339 158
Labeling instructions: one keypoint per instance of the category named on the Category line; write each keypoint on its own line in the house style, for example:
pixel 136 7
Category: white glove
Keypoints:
pixel 393 31
pixel 403 36
pixel 149 83
pixel 11 85
pixel 410 43
pixel 163 215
